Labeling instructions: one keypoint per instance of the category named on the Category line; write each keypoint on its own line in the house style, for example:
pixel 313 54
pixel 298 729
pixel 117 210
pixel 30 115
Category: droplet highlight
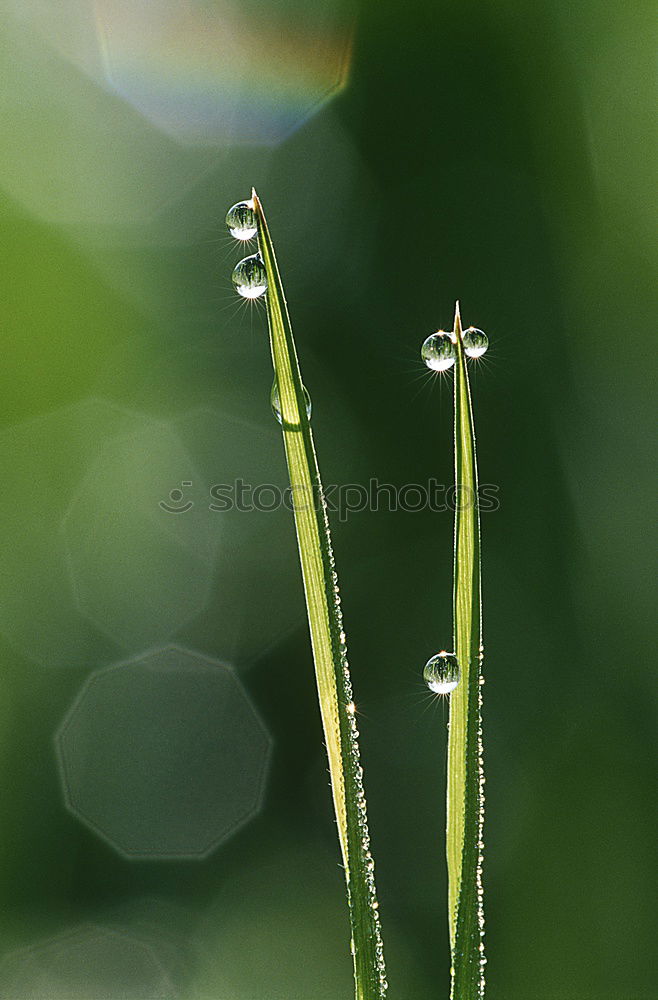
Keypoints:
pixel 276 402
pixel 241 221
pixel 249 278
pixel 476 342
pixel 442 673
pixel 439 351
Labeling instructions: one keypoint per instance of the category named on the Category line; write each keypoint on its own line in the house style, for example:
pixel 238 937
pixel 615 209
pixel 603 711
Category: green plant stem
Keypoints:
pixel 465 799
pixel 327 636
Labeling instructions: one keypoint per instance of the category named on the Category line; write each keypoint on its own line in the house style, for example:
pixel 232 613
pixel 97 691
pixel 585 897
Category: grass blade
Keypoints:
pixel 465 798
pixel 327 636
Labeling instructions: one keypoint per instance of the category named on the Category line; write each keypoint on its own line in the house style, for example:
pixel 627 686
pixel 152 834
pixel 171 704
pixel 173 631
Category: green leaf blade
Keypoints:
pixel 465 798
pixel 327 636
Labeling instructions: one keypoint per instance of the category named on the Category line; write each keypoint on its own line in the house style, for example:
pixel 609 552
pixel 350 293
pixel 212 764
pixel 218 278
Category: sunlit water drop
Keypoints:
pixel 441 673
pixel 241 221
pixel 249 278
pixel 276 402
pixel 439 351
pixel 476 342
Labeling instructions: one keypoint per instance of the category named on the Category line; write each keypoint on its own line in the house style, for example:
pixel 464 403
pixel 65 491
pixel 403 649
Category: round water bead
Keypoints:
pixel 439 351
pixel 249 278
pixel 241 221
pixel 276 402
pixel 441 673
pixel 476 342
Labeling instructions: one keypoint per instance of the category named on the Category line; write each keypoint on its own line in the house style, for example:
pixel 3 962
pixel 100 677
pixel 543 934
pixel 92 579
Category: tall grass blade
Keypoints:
pixel 327 636
pixel 465 797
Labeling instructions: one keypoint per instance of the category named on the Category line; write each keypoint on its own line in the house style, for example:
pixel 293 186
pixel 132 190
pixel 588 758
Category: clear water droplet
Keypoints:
pixel 241 221
pixel 249 278
pixel 276 402
pixel 439 351
pixel 476 342
pixel 441 673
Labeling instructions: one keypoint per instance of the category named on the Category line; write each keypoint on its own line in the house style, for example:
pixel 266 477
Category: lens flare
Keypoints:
pixel 238 73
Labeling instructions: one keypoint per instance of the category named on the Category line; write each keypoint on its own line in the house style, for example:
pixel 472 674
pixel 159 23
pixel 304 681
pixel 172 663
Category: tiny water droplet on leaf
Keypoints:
pixel 249 278
pixel 476 342
pixel 441 673
pixel 439 351
pixel 276 402
pixel 241 221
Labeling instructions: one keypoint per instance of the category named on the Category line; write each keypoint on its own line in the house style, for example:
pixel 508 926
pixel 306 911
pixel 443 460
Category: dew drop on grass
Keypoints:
pixel 241 221
pixel 249 278
pixel 441 673
pixel 476 342
pixel 276 402
pixel 439 351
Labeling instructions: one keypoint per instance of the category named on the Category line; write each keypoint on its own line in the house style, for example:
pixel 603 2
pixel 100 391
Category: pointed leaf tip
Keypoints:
pixel 458 320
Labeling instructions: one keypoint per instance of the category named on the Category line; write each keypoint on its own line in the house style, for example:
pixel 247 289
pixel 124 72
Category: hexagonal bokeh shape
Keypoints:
pixel 232 72
pixel 106 164
pixel 87 963
pixel 164 756
pixel 43 458
pixel 141 567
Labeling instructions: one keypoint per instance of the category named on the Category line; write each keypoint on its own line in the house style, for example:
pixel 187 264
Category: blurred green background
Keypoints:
pixel 407 155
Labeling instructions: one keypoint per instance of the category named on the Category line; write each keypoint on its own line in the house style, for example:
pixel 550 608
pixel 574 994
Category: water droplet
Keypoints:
pixel 441 673
pixel 241 221
pixel 276 402
pixel 439 351
pixel 476 342
pixel 249 278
